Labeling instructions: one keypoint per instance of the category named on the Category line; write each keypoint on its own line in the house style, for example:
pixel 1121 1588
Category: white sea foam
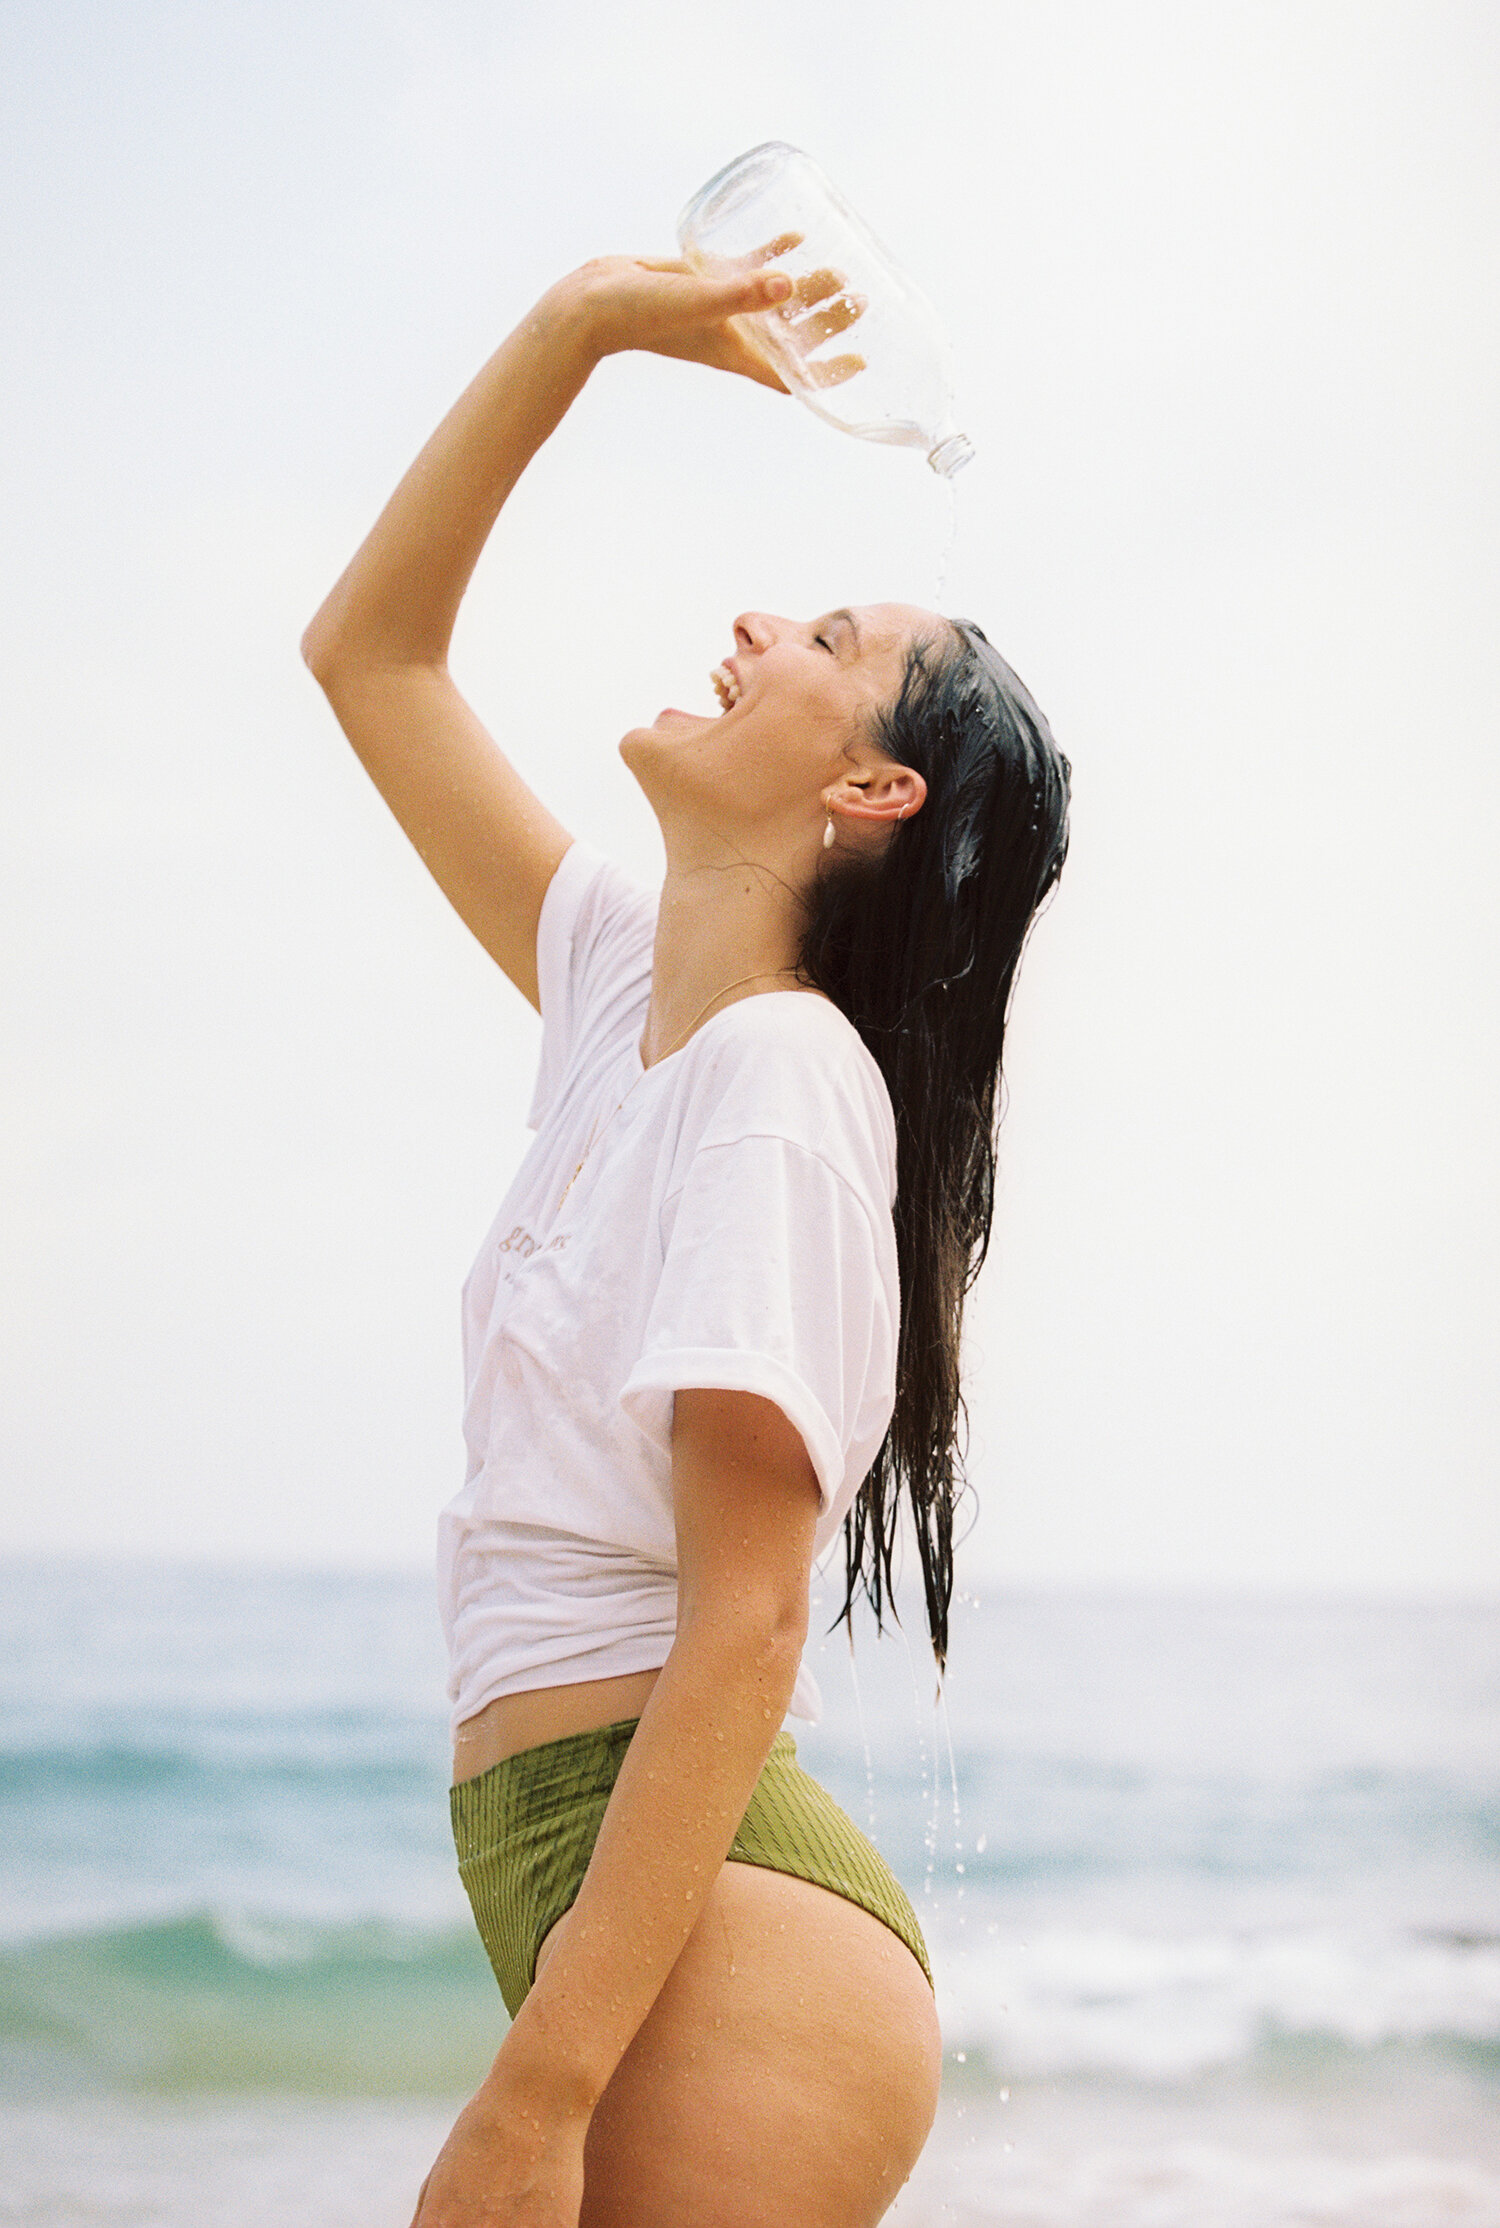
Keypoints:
pixel 1171 2006
pixel 1168 2006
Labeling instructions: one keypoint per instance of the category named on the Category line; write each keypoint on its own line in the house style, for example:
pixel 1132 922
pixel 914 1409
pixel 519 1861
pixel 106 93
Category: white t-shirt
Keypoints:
pixel 732 1226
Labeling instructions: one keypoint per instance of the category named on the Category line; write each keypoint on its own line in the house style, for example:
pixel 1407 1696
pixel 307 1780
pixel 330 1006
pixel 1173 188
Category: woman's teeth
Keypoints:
pixel 726 687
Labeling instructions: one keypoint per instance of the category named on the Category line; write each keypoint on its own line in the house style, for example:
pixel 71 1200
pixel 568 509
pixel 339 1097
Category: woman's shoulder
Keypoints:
pixel 789 1023
pixel 791 1064
pixel 591 903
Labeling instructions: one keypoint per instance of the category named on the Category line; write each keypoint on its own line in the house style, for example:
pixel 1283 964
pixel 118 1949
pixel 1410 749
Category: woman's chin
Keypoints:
pixel 670 725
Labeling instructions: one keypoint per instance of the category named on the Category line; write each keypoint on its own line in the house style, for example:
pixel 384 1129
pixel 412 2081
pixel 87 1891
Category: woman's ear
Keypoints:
pixel 886 793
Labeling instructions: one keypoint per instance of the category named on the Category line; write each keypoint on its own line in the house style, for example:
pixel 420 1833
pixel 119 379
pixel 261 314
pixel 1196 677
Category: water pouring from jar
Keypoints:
pixel 773 208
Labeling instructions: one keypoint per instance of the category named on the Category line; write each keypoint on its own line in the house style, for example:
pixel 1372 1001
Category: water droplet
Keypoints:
pixel 950 543
pixel 864 1735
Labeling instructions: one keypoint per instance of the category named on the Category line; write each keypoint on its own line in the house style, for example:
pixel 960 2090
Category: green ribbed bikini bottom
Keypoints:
pixel 525 1831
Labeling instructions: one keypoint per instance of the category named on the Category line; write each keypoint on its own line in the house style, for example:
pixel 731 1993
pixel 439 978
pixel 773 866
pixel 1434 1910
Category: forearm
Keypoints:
pixel 397 600
pixel 687 1777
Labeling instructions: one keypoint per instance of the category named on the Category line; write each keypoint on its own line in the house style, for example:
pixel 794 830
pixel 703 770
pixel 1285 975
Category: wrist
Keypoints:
pixel 540 2081
pixel 572 313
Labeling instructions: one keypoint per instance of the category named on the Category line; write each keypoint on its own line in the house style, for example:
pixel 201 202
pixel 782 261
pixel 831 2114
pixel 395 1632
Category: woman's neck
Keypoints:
pixel 716 926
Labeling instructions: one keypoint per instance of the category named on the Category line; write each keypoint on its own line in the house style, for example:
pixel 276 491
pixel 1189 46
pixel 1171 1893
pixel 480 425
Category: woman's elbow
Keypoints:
pixel 763 1628
pixel 321 649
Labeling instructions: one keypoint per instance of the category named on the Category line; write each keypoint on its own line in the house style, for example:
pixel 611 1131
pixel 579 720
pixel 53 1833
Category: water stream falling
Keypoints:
pixel 864 1735
pixel 929 1771
pixel 949 545
pixel 958 1846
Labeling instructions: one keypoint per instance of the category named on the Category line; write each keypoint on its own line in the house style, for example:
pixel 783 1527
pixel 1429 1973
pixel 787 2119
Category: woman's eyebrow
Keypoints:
pixel 851 622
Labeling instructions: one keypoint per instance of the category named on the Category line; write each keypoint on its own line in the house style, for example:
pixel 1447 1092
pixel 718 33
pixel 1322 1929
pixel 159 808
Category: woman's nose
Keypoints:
pixel 755 630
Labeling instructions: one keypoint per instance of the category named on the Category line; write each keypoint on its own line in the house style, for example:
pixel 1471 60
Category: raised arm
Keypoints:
pixel 379 645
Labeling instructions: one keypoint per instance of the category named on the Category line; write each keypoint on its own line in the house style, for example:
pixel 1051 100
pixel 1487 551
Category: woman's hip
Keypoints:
pixel 793 2056
pixel 525 1831
pixel 789 2070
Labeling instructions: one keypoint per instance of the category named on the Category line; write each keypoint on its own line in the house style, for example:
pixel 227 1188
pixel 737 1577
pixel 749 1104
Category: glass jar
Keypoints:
pixel 856 340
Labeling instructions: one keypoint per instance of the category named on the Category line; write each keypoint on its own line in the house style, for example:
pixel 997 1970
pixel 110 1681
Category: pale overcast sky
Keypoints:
pixel 1222 288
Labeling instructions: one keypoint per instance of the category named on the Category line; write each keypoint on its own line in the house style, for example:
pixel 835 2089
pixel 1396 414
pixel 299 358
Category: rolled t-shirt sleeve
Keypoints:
pixel 777 1279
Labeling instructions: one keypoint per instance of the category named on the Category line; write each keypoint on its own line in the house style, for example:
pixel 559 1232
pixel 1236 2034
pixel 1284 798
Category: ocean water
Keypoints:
pixel 1212 1890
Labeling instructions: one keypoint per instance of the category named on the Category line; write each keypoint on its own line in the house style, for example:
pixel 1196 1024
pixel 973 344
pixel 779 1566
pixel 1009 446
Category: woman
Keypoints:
pixel 760 1186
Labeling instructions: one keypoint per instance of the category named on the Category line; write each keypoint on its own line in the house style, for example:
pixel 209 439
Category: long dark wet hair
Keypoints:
pixel 920 949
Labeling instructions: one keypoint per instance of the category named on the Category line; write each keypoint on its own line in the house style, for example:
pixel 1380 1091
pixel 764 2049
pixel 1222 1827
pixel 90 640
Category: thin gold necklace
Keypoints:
pixel 598 1131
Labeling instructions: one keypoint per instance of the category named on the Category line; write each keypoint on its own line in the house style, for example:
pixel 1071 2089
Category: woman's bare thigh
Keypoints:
pixel 788 2071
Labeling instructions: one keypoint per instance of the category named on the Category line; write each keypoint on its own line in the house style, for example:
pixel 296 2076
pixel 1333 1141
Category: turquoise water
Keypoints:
pixel 1189 1866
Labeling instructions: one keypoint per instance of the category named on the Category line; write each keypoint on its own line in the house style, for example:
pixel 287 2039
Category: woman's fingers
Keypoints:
pixel 760 289
pixel 801 297
pixel 720 294
pixel 816 306
pixel 811 311
pixel 834 370
pixel 808 329
pixel 663 304
pixel 816 286
pixel 783 244
pixel 753 260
